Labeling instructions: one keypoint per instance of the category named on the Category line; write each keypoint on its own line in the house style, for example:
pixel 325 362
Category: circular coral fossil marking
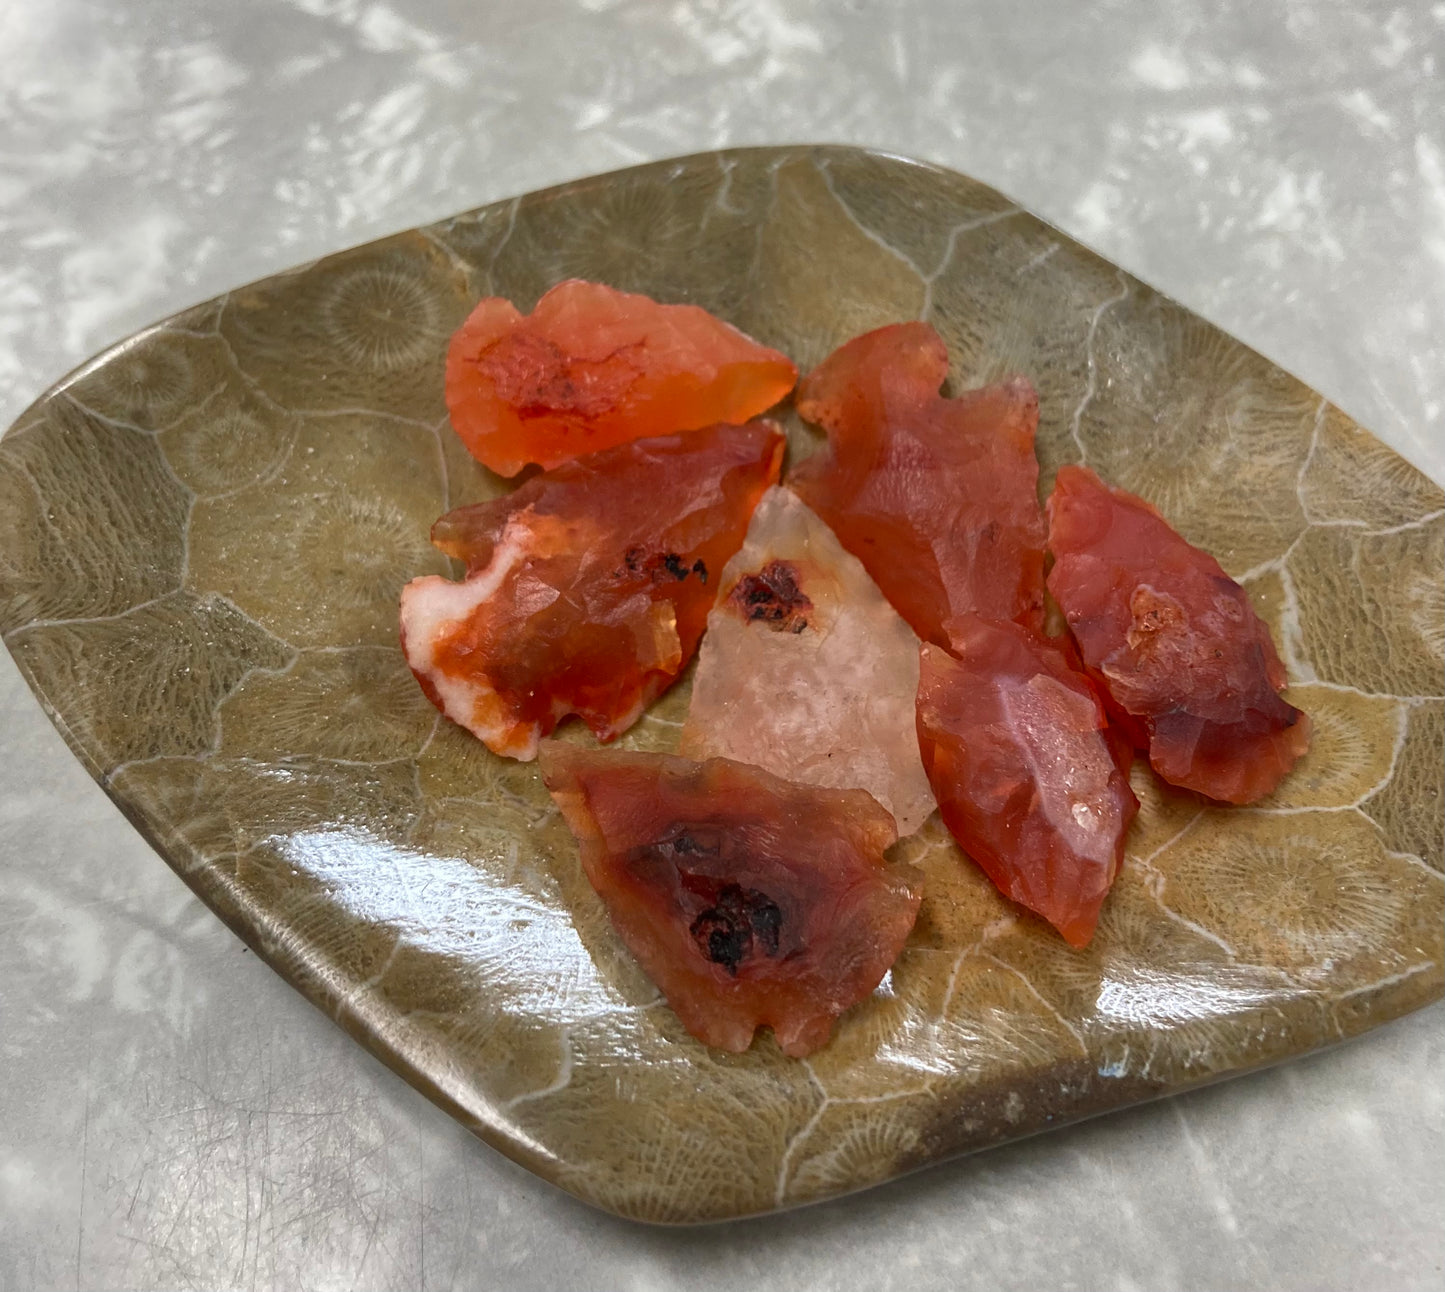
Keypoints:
pixel 1315 894
pixel 1425 602
pixel 381 318
pixel 858 1144
pixel 1352 745
pixel 220 453
pixel 1352 476
pixel 142 387
pixel 357 551
pixel 360 705
pixel 1371 606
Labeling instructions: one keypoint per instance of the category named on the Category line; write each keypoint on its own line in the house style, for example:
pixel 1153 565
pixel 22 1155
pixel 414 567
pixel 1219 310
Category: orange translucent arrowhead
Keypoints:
pixel 587 588
pixel 592 367
pixel 1174 642
pixel 1028 778
pixel 937 497
pixel 749 900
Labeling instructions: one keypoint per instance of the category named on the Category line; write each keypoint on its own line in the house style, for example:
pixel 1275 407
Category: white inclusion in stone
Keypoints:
pixel 824 696
pixel 432 606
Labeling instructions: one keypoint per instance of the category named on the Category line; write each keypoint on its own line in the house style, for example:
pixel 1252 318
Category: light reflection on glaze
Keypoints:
pixel 1150 997
pixel 921 1046
pixel 511 941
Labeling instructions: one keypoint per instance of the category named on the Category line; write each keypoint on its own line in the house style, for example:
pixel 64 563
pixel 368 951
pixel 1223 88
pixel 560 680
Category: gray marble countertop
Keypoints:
pixel 173 1115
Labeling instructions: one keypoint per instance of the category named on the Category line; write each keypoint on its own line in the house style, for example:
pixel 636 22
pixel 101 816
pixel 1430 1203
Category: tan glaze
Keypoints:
pixel 202 538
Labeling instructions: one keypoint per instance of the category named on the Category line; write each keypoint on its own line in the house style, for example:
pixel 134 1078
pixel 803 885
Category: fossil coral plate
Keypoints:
pixel 202 537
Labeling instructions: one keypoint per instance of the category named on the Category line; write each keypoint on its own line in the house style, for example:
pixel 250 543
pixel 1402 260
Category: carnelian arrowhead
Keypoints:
pixel 588 587
pixel 937 497
pixel 1174 641
pixel 1016 747
pixel 592 367
pixel 749 900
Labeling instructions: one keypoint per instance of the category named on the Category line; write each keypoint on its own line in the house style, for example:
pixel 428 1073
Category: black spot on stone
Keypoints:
pixel 773 597
pixel 738 921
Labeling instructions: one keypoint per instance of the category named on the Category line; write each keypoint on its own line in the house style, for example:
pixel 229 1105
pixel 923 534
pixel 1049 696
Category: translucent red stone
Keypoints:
pixel 1188 666
pixel 749 900
pixel 937 497
pixel 588 587
pixel 591 367
pixel 1028 780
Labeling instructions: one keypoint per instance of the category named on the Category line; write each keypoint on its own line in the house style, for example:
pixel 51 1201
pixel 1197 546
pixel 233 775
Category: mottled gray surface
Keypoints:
pixel 172 1114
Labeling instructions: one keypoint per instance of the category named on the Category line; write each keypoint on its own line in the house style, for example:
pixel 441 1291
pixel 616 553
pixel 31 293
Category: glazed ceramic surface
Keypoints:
pixel 202 538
